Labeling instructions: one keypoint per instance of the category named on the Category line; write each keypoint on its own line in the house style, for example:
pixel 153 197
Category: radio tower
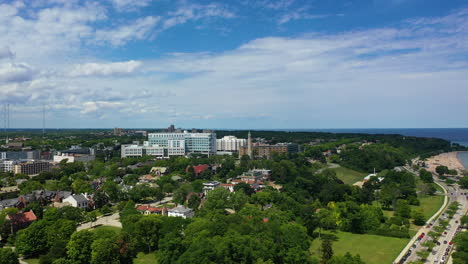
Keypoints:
pixel 5 121
pixel 43 121
pixel 8 121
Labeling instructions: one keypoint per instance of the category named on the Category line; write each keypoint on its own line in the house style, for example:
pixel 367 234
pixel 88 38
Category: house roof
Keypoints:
pixel 160 169
pixel 25 217
pixel 198 169
pixel 79 198
pixel 180 209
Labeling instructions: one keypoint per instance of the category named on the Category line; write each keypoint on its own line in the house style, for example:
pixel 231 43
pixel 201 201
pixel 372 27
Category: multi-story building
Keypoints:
pixel 263 150
pixel 76 155
pixel 20 155
pixel 172 144
pixel 230 143
pixel 7 165
pixel 31 167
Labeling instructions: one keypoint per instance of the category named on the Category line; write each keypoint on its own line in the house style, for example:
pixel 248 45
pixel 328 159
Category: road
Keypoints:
pixel 441 252
pixel 114 220
pixel 110 220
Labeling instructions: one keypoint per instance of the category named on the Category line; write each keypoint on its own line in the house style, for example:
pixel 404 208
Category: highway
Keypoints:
pixel 441 253
pixel 443 249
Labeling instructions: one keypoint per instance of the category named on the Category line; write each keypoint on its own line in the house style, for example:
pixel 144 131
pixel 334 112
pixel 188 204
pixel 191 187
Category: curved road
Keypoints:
pixel 441 252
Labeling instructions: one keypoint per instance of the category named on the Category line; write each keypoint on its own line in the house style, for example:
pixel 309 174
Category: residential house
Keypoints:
pixel 148 210
pixel 198 169
pixel 209 186
pixel 21 220
pixel 159 171
pixel 181 211
pixel 79 201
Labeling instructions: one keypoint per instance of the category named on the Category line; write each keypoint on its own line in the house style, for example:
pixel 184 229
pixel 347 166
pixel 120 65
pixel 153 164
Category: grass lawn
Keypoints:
pixel 32 261
pixel 373 249
pixel 143 258
pixel 348 176
pixel 110 228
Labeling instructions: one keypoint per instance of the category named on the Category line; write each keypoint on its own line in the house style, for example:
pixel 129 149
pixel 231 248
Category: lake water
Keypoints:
pixel 463 157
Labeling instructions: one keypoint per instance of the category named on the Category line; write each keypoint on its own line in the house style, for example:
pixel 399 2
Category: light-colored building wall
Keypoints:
pixel 230 143
pixel 172 144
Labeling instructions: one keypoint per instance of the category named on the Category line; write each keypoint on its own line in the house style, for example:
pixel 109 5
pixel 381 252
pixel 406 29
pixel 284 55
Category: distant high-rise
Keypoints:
pixel 249 145
pixel 172 144
pixel 230 143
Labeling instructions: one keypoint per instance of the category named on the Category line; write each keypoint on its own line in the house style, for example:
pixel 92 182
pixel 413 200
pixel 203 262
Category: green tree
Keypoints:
pixel 32 241
pixel 418 217
pixel 81 186
pixel 463 182
pixel 326 250
pixel 147 231
pixel 194 202
pixel 8 256
pixel 79 247
pixel 262 198
pixel 104 251
pixel 403 209
pixel 442 170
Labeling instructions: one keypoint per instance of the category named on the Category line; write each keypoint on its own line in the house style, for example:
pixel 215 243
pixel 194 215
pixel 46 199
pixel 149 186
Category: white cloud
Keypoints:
pixel 129 5
pixel 138 30
pixel 196 12
pixel 92 107
pixel 10 73
pixel 298 15
pixel 5 52
pixel 105 69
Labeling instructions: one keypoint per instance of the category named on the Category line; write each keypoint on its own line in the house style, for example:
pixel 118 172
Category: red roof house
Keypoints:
pixel 198 169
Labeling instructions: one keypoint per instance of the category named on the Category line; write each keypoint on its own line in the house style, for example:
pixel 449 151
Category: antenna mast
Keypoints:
pixel 8 122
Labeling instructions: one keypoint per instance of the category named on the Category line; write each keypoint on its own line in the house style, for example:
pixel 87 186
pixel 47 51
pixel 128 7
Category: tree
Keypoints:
pixel 442 170
pixel 403 209
pixel 237 200
pixel 194 202
pixel 30 186
pixel 91 217
pixel 180 195
pixel 81 186
pixel 327 250
pixel 79 247
pixel 426 176
pixel 8 256
pixel 104 251
pixel 463 182
pixel 112 190
pixel 32 241
pixel 262 198
pixel 147 231
pixel 244 187
pixel 428 188
pixel 418 217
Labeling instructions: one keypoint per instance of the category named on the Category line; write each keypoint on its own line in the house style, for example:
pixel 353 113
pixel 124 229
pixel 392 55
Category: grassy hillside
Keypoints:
pixel 349 176
pixel 372 249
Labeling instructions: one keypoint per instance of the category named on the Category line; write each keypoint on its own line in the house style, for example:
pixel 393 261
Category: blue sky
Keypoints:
pixel 235 64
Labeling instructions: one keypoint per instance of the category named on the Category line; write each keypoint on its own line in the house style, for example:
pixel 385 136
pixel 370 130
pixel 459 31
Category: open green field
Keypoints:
pixel 373 249
pixel 348 176
pixel 429 204
pixel 109 228
pixel 143 258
